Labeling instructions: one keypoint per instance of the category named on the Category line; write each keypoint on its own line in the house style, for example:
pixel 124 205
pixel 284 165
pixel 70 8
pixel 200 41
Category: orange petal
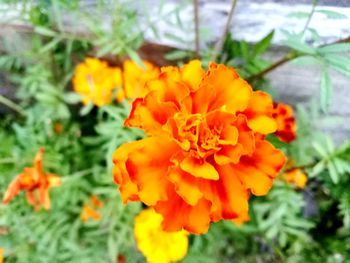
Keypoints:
pixel 259 113
pixel 231 91
pixel 194 219
pixel 228 196
pixel 150 114
pixel 185 186
pixel 53 180
pixel 199 168
pixel 192 73
pixel 146 166
pixel 256 172
pixel 12 190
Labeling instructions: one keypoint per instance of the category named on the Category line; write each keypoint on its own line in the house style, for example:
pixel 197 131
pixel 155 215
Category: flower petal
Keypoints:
pixel 228 196
pixel 194 219
pixel 147 167
pixel 199 168
pixel 185 186
pixel 256 172
pixel 259 113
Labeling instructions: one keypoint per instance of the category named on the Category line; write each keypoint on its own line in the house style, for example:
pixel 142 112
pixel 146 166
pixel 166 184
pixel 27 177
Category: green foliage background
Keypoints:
pixel 288 225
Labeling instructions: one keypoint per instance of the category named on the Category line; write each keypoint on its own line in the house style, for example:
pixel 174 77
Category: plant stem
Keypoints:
pixel 196 27
pixel 288 57
pixel 314 4
pixel 12 105
pixel 219 45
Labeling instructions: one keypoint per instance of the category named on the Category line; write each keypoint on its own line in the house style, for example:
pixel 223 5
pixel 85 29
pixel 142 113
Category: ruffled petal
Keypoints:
pixel 228 195
pixel 192 73
pixel 147 166
pixel 194 219
pixel 199 168
pixel 259 113
pixel 185 185
pixel 257 172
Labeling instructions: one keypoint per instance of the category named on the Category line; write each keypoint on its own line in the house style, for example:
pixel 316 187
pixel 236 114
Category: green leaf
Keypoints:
pixel 299 14
pixel 335 48
pixel 306 60
pixel 326 90
pixel 296 43
pixel 72 98
pixel 332 14
pixel 264 43
pixel 177 55
pixel 86 109
pixel 135 57
pixel 44 31
pixel 333 173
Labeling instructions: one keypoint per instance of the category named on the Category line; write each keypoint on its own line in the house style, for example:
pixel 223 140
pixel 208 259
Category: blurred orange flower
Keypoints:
pixel 205 153
pixel 286 126
pixel 95 81
pixel 89 211
pixel 296 177
pixel 35 182
pixel 155 244
pixel 135 79
pixel 2 255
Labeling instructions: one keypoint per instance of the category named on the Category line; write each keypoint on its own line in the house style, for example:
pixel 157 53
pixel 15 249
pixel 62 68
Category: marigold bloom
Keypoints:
pixel 95 81
pixel 135 78
pixel 205 153
pixel 286 126
pixel 296 177
pixel 2 255
pixel 155 244
pixel 35 182
pixel 89 210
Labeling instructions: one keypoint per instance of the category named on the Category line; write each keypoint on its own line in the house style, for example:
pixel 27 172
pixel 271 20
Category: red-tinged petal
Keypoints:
pixel 185 185
pixel 179 215
pixel 228 196
pixel 150 114
pixel 12 190
pixel 228 154
pixel 147 167
pixel 199 168
pixel 256 172
pixel 259 113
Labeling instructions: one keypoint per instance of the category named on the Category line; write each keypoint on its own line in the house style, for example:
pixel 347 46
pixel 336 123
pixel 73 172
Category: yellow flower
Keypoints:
pixel 135 79
pixel 95 81
pixel 1 255
pixel 155 244
pixel 296 177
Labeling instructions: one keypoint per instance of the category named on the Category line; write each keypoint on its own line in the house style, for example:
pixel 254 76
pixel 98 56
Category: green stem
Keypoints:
pixel 314 4
pixel 12 105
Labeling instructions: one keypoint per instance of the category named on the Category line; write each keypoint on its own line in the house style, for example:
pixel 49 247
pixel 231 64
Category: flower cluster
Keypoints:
pixel 286 127
pixel 89 210
pixel 97 82
pixel 155 244
pixel 205 153
pixel 296 177
pixel 35 182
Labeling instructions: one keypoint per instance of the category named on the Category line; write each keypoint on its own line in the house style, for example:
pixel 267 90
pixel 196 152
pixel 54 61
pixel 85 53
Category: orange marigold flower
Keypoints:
pixel 155 244
pixel 286 126
pixel 296 177
pixel 89 210
pixel 135 78
pixel 205 153
pixel 95 81
pixel 89 213
pixel 35 182
pixel 2 255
